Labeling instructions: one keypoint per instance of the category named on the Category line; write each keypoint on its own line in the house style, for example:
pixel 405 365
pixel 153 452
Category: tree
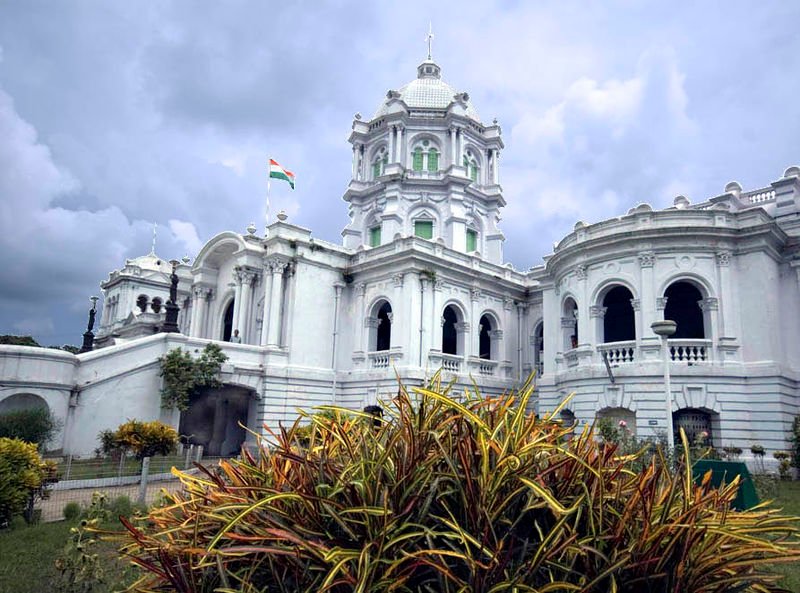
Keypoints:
pixel 184 376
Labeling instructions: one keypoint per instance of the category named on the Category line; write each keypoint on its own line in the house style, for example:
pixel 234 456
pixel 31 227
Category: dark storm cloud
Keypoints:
pixel 116 115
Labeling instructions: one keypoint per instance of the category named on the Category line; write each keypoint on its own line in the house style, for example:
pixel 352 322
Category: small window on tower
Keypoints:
pixel 423 229
pixel 433 160
pixel 417 163
pixel 375 236
pixel 472 240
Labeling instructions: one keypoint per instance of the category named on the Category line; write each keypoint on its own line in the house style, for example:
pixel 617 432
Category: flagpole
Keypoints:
pixel 266 214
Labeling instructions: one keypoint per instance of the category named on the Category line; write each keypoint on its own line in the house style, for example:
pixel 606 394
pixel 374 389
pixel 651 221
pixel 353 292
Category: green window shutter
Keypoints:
pixel 375 236
pixel 473 172
pixel 376 169
pixel 433 160
pixel 466 162
pixel 417 165
pixel 423 229
pixel 472 240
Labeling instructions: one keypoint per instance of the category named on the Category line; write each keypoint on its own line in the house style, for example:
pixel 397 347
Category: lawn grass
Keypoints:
pixel 28 553
pixel 788 498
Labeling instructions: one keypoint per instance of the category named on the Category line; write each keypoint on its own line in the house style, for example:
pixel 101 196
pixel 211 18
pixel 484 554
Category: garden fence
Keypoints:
pixel 142 481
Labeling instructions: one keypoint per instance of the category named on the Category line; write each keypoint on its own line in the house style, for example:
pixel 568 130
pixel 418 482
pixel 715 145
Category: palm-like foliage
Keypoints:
pixel 446 495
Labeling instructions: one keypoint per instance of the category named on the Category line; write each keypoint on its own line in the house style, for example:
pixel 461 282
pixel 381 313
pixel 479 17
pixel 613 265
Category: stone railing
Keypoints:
pixel 690 351
pixel 618 352
pixel 762 195
pixel 383 359
pixel 447 362
pixel 482 366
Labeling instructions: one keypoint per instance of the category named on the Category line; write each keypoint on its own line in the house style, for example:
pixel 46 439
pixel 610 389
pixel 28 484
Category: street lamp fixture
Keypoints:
pixel 666 329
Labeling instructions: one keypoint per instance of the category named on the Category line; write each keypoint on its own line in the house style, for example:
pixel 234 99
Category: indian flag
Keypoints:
pixel 278 172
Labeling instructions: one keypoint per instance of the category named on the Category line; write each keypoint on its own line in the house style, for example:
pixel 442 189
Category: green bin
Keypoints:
pixel 726 471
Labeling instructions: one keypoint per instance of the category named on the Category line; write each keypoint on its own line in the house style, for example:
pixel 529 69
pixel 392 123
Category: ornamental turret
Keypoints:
pixel 426 165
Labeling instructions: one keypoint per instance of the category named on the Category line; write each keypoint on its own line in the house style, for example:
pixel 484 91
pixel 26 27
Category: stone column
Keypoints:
pixel 237 300
pixel 586 334
pixel 401 153
pixel 397 309
pixel 198 302
pixel 473 348
pixel 247 279
pixel 205 322
pixel 453 146
pixel 361 315
pixel 265 312
pixel 355 161
pixel 725 311
pixel 435 341
pixel 495 167
pixel 648 307
pixel 498 344
pixel 391 144
pixel 277 267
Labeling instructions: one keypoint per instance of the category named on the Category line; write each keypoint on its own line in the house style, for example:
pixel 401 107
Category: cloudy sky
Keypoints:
pixel 117 115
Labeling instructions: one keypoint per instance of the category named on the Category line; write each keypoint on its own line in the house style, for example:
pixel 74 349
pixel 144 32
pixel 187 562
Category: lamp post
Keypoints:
pixel 88 335
pixel 665 329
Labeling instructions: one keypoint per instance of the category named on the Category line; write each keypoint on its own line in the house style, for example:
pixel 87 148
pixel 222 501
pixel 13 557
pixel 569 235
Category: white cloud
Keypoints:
pixel 186 234
pixel 603 147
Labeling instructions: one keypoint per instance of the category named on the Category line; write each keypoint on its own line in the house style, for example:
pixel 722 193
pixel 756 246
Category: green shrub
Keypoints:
pixel 121 506
pixel 35 425
pixel 449 495
pixel 72 510
pixel 796 442
pixel 145 439
pixel 80 567
pixel 22 473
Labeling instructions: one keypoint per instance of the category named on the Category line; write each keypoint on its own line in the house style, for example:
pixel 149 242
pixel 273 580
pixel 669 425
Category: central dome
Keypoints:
pixel 428 91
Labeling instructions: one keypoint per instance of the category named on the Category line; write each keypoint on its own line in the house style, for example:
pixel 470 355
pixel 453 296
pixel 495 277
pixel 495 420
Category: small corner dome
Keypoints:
pixel 428 91
pixel 641 208
pixel 681 202
pixel 793 171
pixel 734 187
pixel 579 225
pixel 150 262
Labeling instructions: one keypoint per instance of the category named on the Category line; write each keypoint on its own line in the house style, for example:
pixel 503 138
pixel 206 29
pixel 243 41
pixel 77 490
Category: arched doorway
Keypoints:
pixel 622 420
pixel 383 338
pixel 538 352
pixel 449 332
pixel 227 322
pixel 619 323
pixel 696 423
pixel 213 419
pixel 683 307
pixel 485 338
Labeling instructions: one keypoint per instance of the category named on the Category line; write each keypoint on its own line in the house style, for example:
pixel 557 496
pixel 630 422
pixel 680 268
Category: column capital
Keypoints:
pixel 474 293
pixel 723 258
pixel 636 304
pixel 647 259
pixel 661 303
pixel 708 304
pixel 462 327
pixel 398 280
pixel 580 271
pixel 508 303
pixel 277 265
pixel 496 334
pixel 372 322
pixel 597 311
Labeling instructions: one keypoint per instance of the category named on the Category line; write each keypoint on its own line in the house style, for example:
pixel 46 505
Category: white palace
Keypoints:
pixel 419 283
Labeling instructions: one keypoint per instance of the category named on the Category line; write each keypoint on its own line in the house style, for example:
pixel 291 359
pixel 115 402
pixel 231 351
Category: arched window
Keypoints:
pixel 683 307
pixel 569 324
pixel 538 352
pixel 425 157
pixel 423 228
pixel 384 329
pixel 227 322
pixel 485 338
pixel 375 236
pixel 156 305
pixel 22 401
pixel 433 160
pixel 472 240
pixel 449 332
pixel 568 420
pixel 141 302
pixel 621 419
pixel 379 162
pixel 471 165
pixel 619 324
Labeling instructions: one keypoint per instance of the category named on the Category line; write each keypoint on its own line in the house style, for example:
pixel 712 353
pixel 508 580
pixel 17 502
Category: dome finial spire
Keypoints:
pixel 430 40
